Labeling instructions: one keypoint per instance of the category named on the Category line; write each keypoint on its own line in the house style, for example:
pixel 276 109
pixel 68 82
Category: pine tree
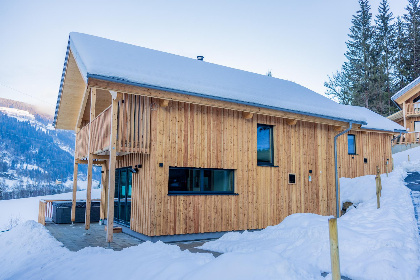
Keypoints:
pixel 355 83
pixel 337 87
pixel 384 56
pixel 412 26
pixel 360 54
pixel 401 60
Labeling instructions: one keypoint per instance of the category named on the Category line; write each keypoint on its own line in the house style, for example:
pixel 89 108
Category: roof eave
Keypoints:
pixel 60 91
pixel 127 82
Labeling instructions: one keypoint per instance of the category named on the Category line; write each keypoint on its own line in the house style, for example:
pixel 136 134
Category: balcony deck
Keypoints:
pixel 133 129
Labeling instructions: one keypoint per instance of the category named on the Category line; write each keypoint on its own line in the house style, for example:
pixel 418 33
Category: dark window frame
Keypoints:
pixel 263 163
pixel 354 141
pixel 202 191
pixel 292 175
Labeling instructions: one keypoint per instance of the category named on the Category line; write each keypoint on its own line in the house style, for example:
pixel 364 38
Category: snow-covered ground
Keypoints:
pixel 374 244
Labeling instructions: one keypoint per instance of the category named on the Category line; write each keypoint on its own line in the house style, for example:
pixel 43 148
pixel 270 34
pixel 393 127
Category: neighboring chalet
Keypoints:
pixel 190 148
pixel 408 100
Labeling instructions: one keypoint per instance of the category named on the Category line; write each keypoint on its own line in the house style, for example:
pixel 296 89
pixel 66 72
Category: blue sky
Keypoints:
pixel 301 41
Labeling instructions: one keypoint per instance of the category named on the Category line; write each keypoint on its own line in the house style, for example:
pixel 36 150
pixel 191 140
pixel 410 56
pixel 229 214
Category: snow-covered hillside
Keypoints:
pixel 34 157
pixel 374 244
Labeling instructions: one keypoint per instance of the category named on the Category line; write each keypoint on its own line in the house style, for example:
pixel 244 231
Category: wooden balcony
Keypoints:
pixel 133 129
pixel 413 110
pixel 407 138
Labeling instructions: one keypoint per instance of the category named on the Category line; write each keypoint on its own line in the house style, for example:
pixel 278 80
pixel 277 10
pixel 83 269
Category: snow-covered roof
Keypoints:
pixel 405 89
pixel 124 63
pixel 374 120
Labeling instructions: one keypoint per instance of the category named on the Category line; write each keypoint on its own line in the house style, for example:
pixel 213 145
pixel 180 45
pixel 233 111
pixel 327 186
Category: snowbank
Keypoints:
pixel 20 210
pixel 374 243
pixel 401 159
pixel 29 252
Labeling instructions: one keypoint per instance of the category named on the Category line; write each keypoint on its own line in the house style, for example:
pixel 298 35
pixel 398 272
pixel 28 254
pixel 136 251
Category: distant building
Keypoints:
pixel 408 100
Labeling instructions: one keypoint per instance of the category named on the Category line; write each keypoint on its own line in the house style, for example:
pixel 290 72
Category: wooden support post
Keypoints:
pixel 88 193
pixel 405 114
pixel 387 161
pixel 90 160
pixel 335 256
pixel 73 201
pixel 112 160
pixel 104 191
pixel 378 192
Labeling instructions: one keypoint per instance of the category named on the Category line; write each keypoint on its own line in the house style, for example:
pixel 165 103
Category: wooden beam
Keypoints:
pixel 338 128
pixel 105 157
pixel 123 88
pixel 405 115
pixel 73 201
pixel 97 162
pixel 291 121
pixel 247 115
pixel 164 102
pixel 112 161
pixel 90 160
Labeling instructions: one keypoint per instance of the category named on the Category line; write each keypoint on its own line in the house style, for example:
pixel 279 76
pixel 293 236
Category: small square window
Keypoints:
pixel 292 178
pixel 365 160
pixel 265 153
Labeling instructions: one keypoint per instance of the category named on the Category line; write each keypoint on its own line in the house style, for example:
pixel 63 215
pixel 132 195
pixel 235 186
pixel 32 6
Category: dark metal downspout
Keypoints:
pixel 336 167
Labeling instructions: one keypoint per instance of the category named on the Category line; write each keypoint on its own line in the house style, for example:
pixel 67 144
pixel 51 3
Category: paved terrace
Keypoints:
pixel 75 237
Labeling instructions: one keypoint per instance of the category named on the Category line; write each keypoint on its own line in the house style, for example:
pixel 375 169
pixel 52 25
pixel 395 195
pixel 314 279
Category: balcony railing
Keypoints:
pixel 133 129
pixel 413 109
pixel 407 138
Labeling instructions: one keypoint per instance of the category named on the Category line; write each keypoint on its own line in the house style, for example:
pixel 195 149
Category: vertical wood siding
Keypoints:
pixel 374 146
pixel 189 135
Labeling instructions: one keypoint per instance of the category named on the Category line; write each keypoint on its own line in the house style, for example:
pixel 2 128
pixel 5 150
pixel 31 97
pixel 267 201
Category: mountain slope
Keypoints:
pixel 34 157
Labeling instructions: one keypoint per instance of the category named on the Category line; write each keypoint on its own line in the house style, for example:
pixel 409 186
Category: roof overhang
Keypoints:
pixel 71 92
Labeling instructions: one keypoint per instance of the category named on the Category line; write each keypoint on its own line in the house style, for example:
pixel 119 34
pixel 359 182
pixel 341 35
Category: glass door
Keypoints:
pixel 123 186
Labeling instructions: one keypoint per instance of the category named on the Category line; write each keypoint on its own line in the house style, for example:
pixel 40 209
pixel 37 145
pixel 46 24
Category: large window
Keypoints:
pixel 265 152
pixel 351 142
pixel 200 181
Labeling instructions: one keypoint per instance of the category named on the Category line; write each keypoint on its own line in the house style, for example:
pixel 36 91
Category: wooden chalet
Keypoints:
pixel 408 100
pixel 189 147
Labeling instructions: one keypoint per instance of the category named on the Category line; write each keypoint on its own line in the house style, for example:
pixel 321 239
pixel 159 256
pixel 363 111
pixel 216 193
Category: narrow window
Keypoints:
pixel 351 142
pixel 200 181
pixel 265 153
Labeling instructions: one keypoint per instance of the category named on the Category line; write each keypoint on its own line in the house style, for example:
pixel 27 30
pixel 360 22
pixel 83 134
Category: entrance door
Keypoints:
pixel 122 205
